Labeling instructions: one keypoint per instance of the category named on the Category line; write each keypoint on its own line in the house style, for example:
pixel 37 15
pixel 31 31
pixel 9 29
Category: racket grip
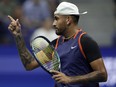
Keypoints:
pixel 61 85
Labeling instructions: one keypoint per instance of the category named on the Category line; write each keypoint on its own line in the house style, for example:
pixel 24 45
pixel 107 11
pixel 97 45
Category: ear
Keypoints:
pixel 68 20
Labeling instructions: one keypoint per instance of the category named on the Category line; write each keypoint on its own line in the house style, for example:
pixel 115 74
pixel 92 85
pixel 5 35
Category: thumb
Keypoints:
pixel 17 22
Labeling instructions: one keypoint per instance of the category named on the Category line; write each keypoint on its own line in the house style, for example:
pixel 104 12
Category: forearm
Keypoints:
pixel 26 57
pixel 95 76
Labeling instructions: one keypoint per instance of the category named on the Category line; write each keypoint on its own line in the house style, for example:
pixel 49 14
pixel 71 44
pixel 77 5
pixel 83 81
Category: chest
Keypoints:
pixel 69 53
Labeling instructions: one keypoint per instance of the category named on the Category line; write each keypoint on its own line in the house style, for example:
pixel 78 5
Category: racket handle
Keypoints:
pixel 61 85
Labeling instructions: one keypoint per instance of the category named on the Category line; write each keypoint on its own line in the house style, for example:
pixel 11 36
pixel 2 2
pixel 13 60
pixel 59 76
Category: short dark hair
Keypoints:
pixel 75 18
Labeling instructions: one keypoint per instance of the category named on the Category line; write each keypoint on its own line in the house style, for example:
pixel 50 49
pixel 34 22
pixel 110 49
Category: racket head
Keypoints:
pixel 45 54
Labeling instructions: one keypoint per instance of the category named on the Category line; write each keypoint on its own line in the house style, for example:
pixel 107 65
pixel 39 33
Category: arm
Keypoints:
pixel 98 75
pixel 26 57
pixel 93 56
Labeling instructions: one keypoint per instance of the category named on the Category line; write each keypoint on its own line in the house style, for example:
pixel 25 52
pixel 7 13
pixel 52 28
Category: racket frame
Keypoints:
pixel 35 54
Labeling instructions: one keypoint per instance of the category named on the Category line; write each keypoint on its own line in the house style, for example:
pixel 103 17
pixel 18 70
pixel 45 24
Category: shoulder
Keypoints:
pixel 85 38
pixel 90 48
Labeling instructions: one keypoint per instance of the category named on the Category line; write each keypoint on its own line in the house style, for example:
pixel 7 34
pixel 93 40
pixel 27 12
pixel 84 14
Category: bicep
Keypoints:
pixel 98 65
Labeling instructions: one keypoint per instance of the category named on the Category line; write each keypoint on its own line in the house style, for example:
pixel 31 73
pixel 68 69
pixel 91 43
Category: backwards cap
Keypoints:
pixel 67 8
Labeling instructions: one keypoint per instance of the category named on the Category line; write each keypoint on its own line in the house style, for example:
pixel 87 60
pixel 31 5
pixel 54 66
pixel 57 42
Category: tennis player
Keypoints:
pixel 81 61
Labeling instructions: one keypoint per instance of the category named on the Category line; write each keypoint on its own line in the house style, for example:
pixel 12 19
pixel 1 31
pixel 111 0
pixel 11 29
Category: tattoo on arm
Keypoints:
pixel 24 53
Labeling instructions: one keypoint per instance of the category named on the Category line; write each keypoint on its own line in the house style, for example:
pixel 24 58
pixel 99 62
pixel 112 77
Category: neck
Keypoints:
pixel 67 38
pixel 70 32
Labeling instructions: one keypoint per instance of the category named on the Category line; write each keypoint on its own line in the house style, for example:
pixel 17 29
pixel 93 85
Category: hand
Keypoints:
pixel 14 27
pixel 60 77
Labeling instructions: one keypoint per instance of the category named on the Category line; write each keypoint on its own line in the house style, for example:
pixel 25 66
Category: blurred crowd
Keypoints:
pixel 114 35
pixel 33 15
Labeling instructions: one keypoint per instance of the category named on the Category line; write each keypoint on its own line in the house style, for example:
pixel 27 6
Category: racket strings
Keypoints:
pixel 45 54
pixel 52 65
pixel 39 44
pixel 54 62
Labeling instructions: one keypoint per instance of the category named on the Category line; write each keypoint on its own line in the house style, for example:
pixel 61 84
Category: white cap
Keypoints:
pixel 67 8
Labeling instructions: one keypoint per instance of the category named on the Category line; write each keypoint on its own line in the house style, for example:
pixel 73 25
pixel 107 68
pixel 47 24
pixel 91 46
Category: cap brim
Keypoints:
pixel 83 13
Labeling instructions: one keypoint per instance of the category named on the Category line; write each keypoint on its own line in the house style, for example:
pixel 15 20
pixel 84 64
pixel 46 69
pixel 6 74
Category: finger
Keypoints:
pixel 57 79
pixel 9 27
pixel 56 76
pixel 11 18
pixel 54 71
pixel 13 23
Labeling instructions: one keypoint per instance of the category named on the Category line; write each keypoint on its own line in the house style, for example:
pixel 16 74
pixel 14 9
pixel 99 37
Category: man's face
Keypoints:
pixel 59 24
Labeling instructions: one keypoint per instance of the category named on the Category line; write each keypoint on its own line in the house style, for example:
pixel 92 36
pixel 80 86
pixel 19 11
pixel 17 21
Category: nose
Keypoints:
pixel 54 24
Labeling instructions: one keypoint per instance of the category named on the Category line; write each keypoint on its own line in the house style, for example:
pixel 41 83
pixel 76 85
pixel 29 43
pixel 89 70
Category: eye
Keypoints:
pixel 56 18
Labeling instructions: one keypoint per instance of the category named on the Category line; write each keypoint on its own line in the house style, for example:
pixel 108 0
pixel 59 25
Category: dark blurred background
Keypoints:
pixel 100 23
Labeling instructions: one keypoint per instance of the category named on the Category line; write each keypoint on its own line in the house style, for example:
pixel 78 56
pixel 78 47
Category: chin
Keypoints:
pixel 58 33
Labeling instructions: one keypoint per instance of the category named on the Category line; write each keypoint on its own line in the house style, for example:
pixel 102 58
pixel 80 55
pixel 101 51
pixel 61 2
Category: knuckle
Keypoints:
pixel 9 28
pixel 13 23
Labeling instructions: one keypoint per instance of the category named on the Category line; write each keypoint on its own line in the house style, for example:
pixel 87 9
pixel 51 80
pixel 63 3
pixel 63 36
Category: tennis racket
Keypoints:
pixel 45 54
